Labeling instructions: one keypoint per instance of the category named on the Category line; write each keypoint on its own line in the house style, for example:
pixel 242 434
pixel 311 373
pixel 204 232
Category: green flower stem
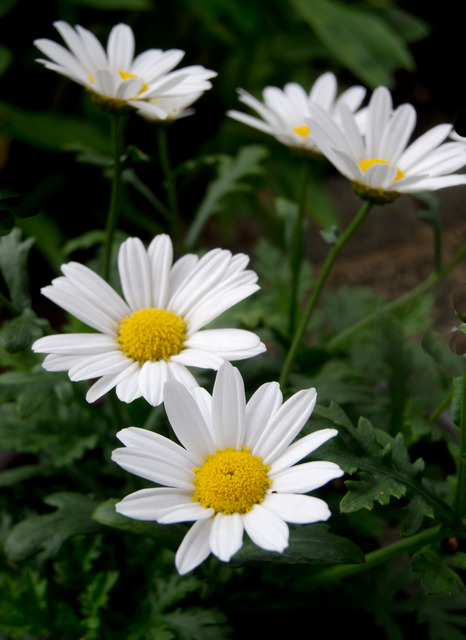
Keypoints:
pixel 328 575
pixel 115 197
pixel 169 183
pixel 328 264
pixel 444 404
pixel 341 340
pixel 297 246
pixel 461 486
pixel 9 306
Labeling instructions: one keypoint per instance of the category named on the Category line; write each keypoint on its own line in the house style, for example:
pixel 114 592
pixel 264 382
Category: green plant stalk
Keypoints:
pixel 341 339
pixel 297 247
pixel 328 575
pixel 169 183
pixel 461 486
pixel 9 306
pixel 327 267
pixel 117 185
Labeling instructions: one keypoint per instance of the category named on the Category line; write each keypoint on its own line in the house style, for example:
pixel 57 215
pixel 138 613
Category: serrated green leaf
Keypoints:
pixel 231 175
pixel 437 574
pixel 10 477
pixel 311 544
pixel 48 532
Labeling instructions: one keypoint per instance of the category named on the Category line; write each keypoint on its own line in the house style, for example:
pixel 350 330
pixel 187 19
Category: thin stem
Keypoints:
pixel 169 183
pixel 342 338
pixel 327 267
pixel 6 304
pixel 115 197
pixel 328 575
pixel 441 407
pixel 297 247
pixel 461 485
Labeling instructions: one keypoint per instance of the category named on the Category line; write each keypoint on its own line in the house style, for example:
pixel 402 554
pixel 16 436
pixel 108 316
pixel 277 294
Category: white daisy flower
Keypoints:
pixel 177 107
pixel 115 75
pixel 154 333
pixel 378 161
pixel 285 113
pixel 235 470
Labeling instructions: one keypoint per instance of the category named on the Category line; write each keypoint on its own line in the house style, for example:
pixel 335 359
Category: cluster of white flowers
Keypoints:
pixel 369 146
pixel 236 469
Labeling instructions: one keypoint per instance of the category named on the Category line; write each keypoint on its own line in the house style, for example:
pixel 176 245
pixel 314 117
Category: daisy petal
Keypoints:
pixel 297 509
pixel 266 529
pixel 226 535
pixel 195 547
pixel 305 477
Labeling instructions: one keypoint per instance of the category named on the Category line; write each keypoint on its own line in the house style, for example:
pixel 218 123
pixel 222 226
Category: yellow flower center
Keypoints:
pixel 365 164
pixel 152 334
pixel 124 75
pixel 303 130
pixel 231 481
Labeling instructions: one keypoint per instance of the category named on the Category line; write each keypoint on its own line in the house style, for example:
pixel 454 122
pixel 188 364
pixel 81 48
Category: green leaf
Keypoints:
pixel 168 536
pixel 85 241
pixel 311 544
pixel 51 131
pixel 384 470
pixel 19 333
pixel 231 175
pixel 14 254
pixel 358 39
pixel 48 532
pixel 438 576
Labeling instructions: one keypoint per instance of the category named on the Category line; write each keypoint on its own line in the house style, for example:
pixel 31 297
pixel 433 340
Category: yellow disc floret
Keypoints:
pixel 231 481
pixel 302 131
pixel 369 162
pixel 152 334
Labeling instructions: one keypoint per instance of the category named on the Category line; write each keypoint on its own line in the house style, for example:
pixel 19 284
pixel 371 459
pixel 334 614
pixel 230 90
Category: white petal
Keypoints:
pixel 152 378
pixel 297 508
pixel 160 254
pixel 187 421
pixel 194 548
pixel 187 512
pixel 229 408
pixel 226 343
pixel 136 437
pixel 266 529
pixel 146 503
pixel 226 535
pixel 301 448
pixel 197 358
pixel 285 425
pixel 99 365
pixel 128 389
pixel 305 477
pixel 120 47
pixel 105 383
pixel 155 466
pixel 75 344
pixel 181 374
pixel 262 405
pixel 135 274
